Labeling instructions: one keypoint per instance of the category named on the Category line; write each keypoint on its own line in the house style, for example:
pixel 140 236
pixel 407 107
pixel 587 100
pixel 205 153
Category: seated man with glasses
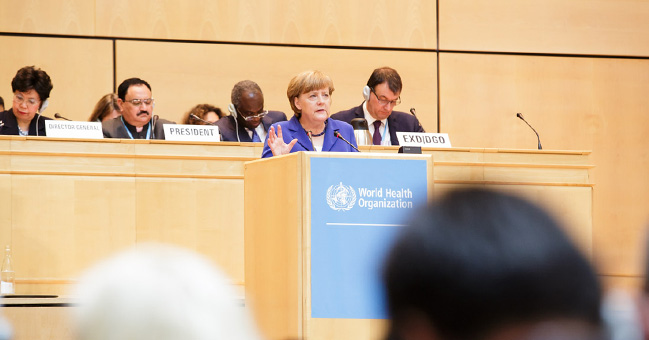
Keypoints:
pixel 248 120
pixel 381 95
pixel 137 120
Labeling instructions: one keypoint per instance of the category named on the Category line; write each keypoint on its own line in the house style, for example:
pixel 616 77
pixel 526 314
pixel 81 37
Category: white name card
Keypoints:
pixel 67 129
pixel 429 140
pixel 192 133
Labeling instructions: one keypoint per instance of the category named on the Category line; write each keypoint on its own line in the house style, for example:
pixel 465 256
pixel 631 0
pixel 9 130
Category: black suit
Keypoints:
pixel 114 128
pixel 227 126
pixel 9 124
pixel 397 121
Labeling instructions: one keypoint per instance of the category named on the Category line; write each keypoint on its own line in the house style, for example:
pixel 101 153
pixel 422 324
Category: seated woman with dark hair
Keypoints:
pixel 206 113
pixel 31 88
pixel 310 129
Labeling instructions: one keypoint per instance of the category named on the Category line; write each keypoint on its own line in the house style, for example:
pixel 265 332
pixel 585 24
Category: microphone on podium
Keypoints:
pixel 338 135
pixel 520 115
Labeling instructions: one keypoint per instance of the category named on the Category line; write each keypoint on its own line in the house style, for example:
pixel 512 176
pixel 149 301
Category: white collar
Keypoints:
pixel 368 117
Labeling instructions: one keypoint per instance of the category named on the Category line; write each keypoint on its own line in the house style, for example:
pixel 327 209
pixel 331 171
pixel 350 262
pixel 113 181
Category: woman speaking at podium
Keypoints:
pixel 310 128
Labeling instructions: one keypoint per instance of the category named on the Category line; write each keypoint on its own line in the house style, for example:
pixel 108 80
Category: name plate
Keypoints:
pixel 429 140
pixel 66 129
pixel 192 133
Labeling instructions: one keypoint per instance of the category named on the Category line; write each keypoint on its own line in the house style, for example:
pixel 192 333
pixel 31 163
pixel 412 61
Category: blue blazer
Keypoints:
pixel 292 129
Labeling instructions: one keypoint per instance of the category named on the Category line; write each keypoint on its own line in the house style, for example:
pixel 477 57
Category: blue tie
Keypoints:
pixel 255 136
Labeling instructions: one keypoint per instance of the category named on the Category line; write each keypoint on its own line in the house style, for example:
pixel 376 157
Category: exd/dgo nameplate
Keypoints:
pixel 192 133
pixel 430 140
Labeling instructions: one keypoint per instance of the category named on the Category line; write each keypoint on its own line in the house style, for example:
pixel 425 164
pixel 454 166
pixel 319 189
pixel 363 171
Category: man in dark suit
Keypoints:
pixel 137 120
pixel 382 94
pixel 248 121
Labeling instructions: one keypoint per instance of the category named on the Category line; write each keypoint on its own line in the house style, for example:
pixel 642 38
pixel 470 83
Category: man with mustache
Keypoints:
pixel 137 120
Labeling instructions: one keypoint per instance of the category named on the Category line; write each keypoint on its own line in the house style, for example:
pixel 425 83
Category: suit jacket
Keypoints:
pixel 9 124
pixel 114 128
pixel 227 126
pixel 397 121
pixel 292 129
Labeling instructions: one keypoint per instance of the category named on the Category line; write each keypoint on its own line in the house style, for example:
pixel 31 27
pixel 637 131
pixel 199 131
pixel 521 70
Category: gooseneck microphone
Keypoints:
pixel 154 120
pixel 338 135
pixel 520 115
pixel 58 116
pixel 195 117
pixel 308 133
pixel 412 110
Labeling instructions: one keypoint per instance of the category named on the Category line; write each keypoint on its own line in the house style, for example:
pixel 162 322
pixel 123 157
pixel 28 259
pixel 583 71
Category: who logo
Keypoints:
pixel 341 197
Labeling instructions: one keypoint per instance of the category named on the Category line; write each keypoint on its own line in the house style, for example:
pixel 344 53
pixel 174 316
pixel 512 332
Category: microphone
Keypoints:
pixel 154 119
pixel 338 135
pixel 520 115
pixel 58 116
pixel 412 110
pixel 195 117
pixel 308 133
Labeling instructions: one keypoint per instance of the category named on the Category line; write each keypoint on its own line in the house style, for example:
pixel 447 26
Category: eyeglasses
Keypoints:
pixel 18 99
pixel 384 102
pixel 138 102
pixel 254 116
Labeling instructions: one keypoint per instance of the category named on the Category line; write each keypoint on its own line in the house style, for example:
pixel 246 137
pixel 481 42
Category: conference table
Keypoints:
pixel 67 203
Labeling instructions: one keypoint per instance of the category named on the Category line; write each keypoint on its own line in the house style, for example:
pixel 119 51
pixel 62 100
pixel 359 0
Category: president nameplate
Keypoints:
pixel 192 133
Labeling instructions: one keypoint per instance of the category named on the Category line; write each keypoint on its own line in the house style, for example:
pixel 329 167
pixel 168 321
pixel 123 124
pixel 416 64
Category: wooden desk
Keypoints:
pixel 37 318
pixel 68 203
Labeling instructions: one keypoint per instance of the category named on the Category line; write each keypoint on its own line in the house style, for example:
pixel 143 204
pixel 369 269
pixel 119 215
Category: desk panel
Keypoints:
pixel 73 202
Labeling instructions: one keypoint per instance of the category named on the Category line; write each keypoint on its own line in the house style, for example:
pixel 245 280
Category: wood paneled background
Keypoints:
pixel 578 70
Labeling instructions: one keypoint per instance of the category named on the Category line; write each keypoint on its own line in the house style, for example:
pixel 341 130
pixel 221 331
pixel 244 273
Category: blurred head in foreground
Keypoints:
pixel 159 292
pixel 479 264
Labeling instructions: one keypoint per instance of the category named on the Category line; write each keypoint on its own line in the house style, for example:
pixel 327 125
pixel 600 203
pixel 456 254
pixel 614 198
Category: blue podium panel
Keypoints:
pixel 357 207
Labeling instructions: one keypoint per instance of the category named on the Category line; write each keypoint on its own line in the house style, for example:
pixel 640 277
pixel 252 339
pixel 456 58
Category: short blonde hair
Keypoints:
pixel 305 82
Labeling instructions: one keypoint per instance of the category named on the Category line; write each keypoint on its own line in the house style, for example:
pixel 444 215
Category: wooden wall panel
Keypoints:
pixel 409 23
pixel 81 71
pixel 607 27
pixel 574 104
pixel 75 17
pixel 185 74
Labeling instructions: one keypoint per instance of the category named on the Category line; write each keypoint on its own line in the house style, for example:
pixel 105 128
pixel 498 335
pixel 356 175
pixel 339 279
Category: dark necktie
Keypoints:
pixel 255 136
pixel 376 139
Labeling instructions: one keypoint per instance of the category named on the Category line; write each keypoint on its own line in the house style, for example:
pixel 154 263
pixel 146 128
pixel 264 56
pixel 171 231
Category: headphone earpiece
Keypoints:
pixel 366 93
pixel 233 110
pixel 44 105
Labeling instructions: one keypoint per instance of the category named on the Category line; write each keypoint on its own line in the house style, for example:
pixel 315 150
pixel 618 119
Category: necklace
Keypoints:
pixel 321 133
pixel 318 135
